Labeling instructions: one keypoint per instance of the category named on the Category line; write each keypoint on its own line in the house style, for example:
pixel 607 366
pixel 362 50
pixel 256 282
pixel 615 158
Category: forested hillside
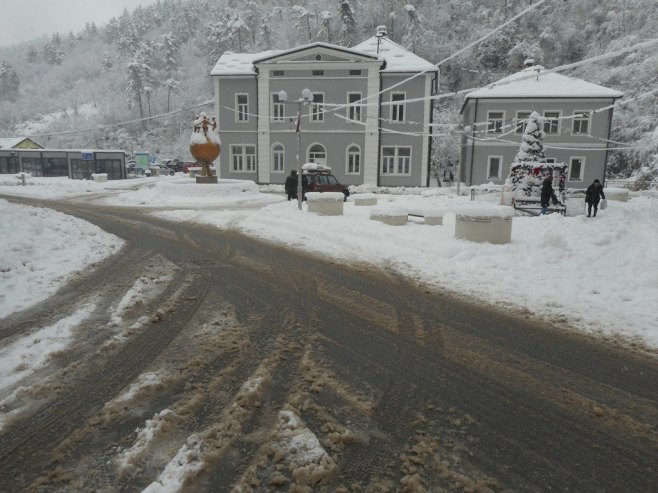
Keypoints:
pixel 157 59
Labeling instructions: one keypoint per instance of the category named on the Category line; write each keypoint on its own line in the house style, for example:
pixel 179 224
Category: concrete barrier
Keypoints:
pixel 484 223
pixel 325 204
pixel 365 199
pixel 390 215
pixel 99 176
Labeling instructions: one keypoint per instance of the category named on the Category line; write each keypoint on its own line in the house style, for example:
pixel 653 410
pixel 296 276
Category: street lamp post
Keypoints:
pixel 307 98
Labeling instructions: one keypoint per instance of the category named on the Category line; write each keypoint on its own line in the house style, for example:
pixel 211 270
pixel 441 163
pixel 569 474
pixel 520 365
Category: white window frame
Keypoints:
pixel 316 111
pixel 350 154
pixel 278 108
pixel 550 160
pixel 582 168
pixel 386 162
pixel 282 153
pixel 308 151
pixel 549 120
pixel 398 109
pixel 491 120
pixel 245 160
pixel 520 126
pixel 241 109
pixel 500 167
pixel 354 112
pixel 576 118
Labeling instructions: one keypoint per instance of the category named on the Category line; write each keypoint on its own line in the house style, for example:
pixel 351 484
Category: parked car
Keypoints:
pixel 320 179
pixel 162 170
pixel 175 164
pixel 189 164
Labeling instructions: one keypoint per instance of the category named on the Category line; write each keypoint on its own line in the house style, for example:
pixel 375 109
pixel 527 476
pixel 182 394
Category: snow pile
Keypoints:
pixel 144 381
pixel 134 296
pixel 38 254
pixel 477 210
pixel 186 463
pixel 308 461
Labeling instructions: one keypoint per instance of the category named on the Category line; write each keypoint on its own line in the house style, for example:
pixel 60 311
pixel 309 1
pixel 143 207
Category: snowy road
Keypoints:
pixel 208 361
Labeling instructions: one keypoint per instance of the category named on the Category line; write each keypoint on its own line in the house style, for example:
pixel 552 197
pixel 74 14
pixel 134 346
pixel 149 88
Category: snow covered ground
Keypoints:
pixel 598 274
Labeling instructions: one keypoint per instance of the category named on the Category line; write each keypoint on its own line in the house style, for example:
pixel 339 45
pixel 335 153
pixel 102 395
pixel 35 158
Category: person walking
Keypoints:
pixel 547 193
pixel 593 196
pixel 291 185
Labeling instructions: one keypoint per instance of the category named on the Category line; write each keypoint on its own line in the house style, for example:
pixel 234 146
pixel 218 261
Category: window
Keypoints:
pixel 550 160
pixel 521 121
pixel 495 167
pixel 576 168
pixel 318 73
pixel 495 122
pixel 56 166
pixel 353 160
pixel 243 158
pixel 317 154
pixel 354 109
pixel 278 109
pixel 355 72
pixel 396 160
pixel 317 109
pixel 397 106
pixel 278 73
pixel 580 122
pixel 242 107
pixel 551 122
pixel 278 155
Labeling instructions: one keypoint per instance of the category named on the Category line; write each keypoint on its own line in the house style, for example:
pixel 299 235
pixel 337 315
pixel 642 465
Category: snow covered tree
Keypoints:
pixel 303 21
pixel 106 61
pixel 32 55
pixel 325 34
pixel 348 31
pixel 532 147
pixel 53 53
pixel 9 82
pixel 265 41
pixel 414 35
pixel 170 48
pixel 252 17
pixel 135 85
pixel 171 85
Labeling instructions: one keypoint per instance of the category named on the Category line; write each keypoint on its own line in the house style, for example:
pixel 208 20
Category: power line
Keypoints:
pixel 118 124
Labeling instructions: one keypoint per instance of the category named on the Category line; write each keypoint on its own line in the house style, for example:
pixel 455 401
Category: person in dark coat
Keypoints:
pixel 593 196
pixel 547 193
pixel 304 186
pixel 291 185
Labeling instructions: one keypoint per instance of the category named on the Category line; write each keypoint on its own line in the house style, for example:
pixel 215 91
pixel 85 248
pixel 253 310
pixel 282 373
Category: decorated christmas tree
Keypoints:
pixel 532 148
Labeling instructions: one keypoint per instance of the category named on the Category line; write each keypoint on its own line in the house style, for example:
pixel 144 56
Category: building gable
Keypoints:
pixel 317 52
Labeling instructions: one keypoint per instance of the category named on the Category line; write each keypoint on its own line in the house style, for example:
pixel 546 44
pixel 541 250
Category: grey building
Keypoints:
pixel 577 120
pixel 366 137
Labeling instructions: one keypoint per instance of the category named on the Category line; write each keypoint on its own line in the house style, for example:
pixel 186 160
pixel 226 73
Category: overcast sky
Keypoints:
pixel 23 20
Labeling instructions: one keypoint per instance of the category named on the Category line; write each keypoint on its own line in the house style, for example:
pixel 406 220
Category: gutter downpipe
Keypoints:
pixel 435 82
pixel 607 144
pixel 379 125
pixel 475 119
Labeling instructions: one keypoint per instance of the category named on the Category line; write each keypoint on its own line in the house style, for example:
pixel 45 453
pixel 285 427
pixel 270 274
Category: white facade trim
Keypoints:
pixel 370 154
pixel 264 156
pixel 576 145
pixel 427 110
pixel 218 104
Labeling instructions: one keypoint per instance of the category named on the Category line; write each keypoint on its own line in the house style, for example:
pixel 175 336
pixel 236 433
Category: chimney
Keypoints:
pixel 381 31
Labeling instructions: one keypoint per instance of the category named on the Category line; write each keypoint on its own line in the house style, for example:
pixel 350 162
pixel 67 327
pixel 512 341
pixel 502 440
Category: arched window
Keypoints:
pixel 278 158
pixel 317 154
pixel 353 161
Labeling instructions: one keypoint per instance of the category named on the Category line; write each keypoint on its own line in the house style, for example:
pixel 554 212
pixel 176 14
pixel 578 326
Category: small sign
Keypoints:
pixel 87 156
pixel 152 159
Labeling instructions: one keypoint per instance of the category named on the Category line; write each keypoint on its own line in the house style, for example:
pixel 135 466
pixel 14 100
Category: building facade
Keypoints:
pixel 74 163
pixel 577 122
pixel 369 120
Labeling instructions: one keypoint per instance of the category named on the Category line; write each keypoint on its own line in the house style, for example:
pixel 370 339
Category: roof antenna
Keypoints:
pixel 381 32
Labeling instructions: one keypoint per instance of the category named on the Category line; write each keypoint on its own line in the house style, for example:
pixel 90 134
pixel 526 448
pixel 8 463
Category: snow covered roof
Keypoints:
pixel 535 82
pixel 239 63
pixel 398 59
pixel 12 142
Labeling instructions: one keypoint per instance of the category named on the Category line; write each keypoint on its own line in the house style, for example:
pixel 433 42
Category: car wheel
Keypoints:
pixel 171 173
